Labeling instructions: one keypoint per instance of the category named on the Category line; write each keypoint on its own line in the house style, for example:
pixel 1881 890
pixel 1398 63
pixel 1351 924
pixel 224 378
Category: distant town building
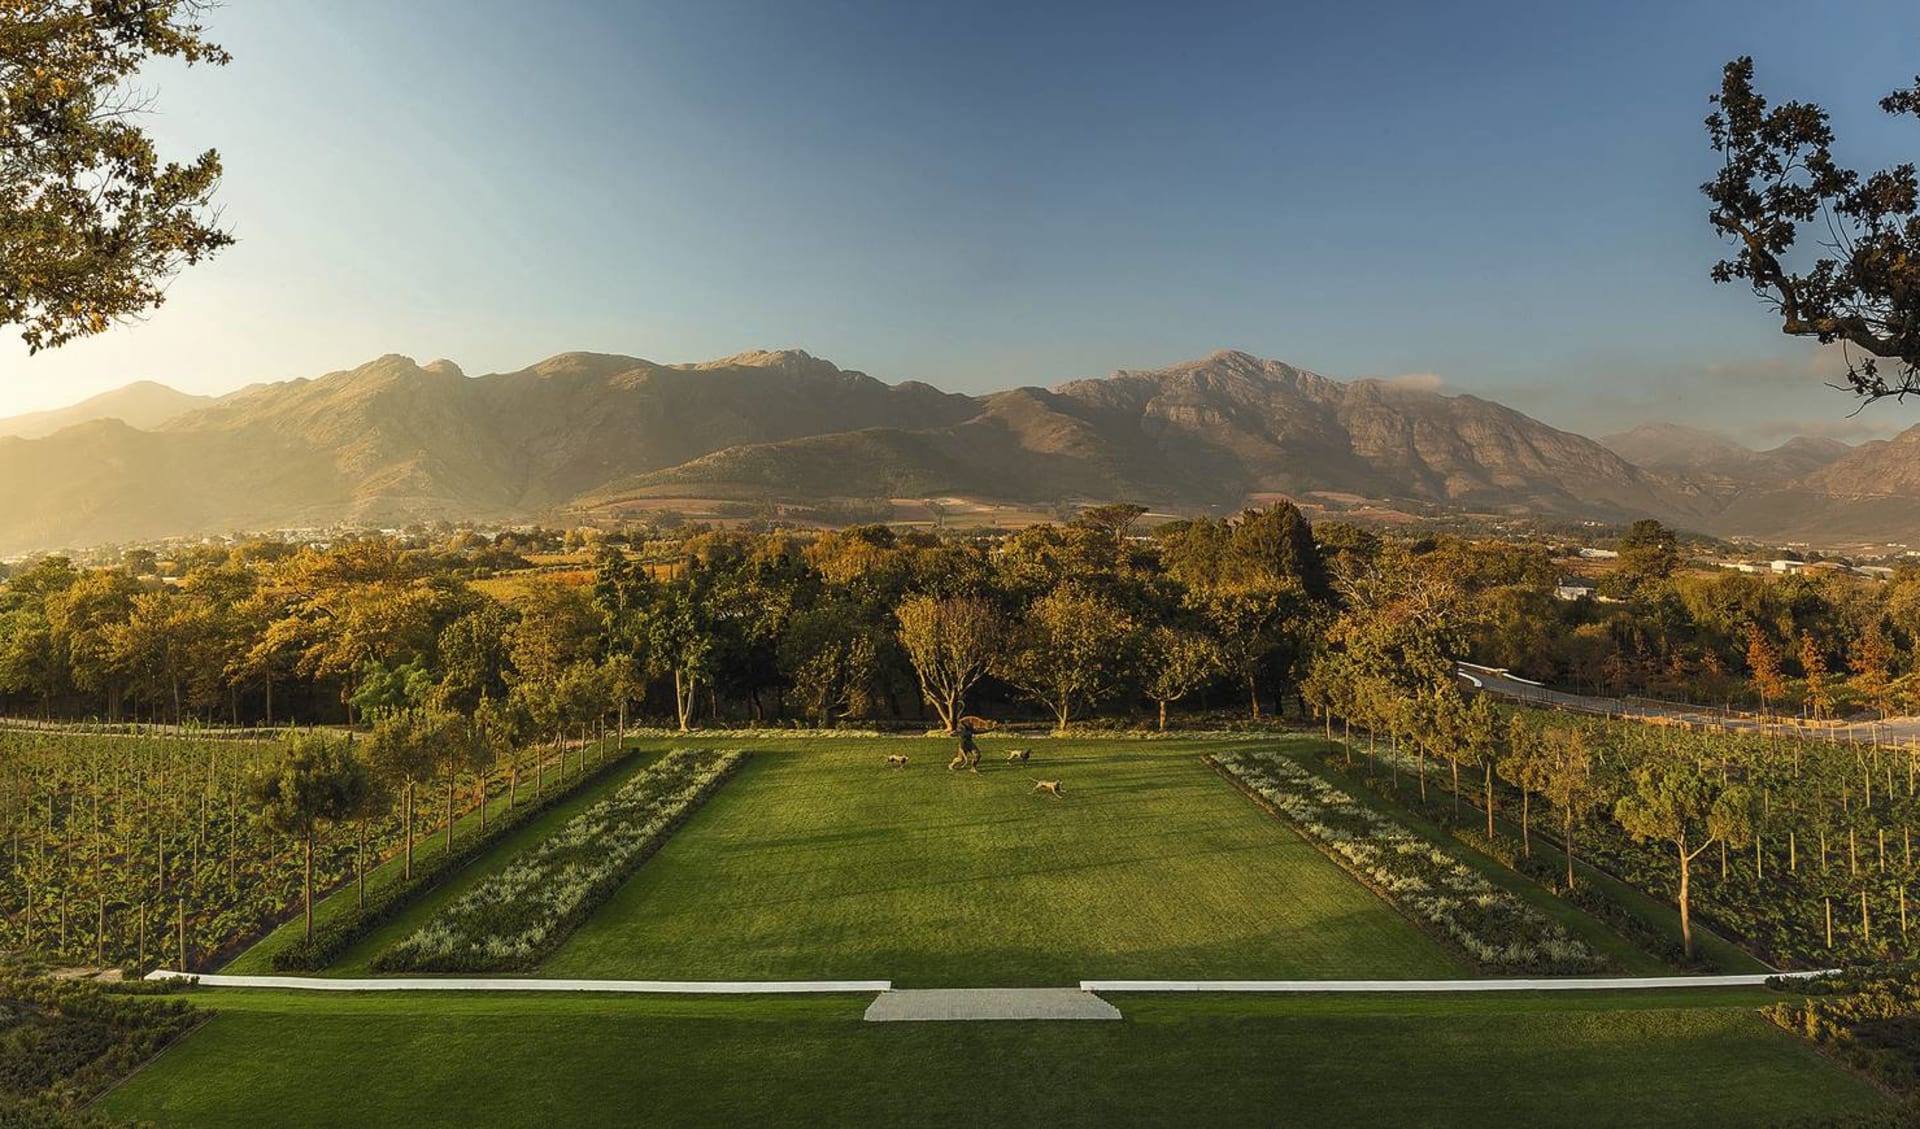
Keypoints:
pixel 1599 554
pixel 1574 588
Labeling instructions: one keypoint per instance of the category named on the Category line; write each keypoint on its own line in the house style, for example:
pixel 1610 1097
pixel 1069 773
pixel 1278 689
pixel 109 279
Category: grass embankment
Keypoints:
pixel 1617 1059
pixel 357 961
pixel 821 863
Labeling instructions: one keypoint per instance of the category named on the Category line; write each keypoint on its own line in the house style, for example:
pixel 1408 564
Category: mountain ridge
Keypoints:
pixel 143 404
pixel 394 441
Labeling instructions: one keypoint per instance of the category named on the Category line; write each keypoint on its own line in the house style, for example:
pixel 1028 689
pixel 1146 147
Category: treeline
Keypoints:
pixel 712 627
pixel 1060 621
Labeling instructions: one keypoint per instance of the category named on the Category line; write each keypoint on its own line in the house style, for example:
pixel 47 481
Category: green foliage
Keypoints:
pixel 318 782
pixel 1868 1017
pixel 1648 552
pixel 62 1042
pixel 1778 180
pixel 1070 652
pixel 92 224
pixel 385 691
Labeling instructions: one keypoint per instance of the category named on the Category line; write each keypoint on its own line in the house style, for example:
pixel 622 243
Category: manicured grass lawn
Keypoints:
pixel 1698 1057
pixel 817 861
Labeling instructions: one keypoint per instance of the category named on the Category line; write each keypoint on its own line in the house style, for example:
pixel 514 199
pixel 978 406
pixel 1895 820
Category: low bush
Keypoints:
pixel 515 917
pixel 63 1042
pixel 1868 1018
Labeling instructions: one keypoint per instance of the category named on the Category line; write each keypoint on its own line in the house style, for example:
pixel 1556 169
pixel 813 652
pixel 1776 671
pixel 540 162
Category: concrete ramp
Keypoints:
pixel 935 1005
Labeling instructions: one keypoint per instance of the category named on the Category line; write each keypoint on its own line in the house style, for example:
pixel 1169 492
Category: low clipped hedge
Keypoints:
pixel 331 939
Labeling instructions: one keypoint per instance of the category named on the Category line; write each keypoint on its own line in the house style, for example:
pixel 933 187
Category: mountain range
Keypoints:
pixel 598 435
pixel 140 404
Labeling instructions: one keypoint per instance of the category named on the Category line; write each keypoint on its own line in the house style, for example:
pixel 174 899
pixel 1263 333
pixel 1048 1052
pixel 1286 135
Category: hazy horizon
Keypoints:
pixel 1498 200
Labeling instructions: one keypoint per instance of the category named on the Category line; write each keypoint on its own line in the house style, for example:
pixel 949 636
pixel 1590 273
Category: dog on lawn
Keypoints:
pixel 1051 787
pixel 897 760
pixel 1019 756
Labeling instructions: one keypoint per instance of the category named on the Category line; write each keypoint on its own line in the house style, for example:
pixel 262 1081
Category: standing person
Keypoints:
pixel 969 753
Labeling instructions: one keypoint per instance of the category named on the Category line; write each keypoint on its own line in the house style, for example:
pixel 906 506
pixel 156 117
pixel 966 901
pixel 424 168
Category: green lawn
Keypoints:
pixel 817 861
pixel 1699 1057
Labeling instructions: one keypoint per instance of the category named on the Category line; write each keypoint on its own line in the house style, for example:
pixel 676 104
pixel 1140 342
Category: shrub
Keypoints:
pixel 62 1042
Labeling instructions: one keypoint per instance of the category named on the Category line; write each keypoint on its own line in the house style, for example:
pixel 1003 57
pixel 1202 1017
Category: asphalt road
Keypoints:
pixel 1893 731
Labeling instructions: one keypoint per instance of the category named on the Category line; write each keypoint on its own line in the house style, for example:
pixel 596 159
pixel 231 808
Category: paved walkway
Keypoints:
pixel 925 1005
pixel 1541 984
pixel 964 1003
pixel 530 984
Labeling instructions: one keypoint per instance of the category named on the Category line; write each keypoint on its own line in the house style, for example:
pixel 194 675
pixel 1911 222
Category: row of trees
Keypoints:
pixel 860 622
pixel 872 623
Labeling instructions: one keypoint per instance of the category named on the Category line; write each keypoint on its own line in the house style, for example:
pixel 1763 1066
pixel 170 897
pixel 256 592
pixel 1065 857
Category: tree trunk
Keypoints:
pixel 1489 769
pixel 360 860
pixel 309 885
pixel 450 784
pixel 1526 833
pixel 1686 920
pixel 1163 715
pixel 406 794
pixel 1566 840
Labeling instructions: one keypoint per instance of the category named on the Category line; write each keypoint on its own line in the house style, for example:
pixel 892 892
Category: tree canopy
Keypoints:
pixel 1779 183
pixel 93 223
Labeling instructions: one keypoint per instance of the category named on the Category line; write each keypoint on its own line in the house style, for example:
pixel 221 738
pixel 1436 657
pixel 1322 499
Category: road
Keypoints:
pixel 1499 682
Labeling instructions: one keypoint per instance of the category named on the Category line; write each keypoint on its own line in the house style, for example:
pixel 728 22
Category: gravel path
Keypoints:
pixel 923 1005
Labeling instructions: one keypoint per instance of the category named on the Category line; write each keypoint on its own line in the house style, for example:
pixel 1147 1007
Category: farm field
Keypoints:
pixel 820 863
pixel 1613 1058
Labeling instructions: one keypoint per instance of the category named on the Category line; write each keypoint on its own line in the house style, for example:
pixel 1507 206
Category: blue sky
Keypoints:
pixel 1500 197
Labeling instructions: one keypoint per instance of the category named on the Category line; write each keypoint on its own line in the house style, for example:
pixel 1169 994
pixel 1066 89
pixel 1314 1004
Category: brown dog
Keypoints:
pixel 1051 787
pixel 897 760
pixel 1019 756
